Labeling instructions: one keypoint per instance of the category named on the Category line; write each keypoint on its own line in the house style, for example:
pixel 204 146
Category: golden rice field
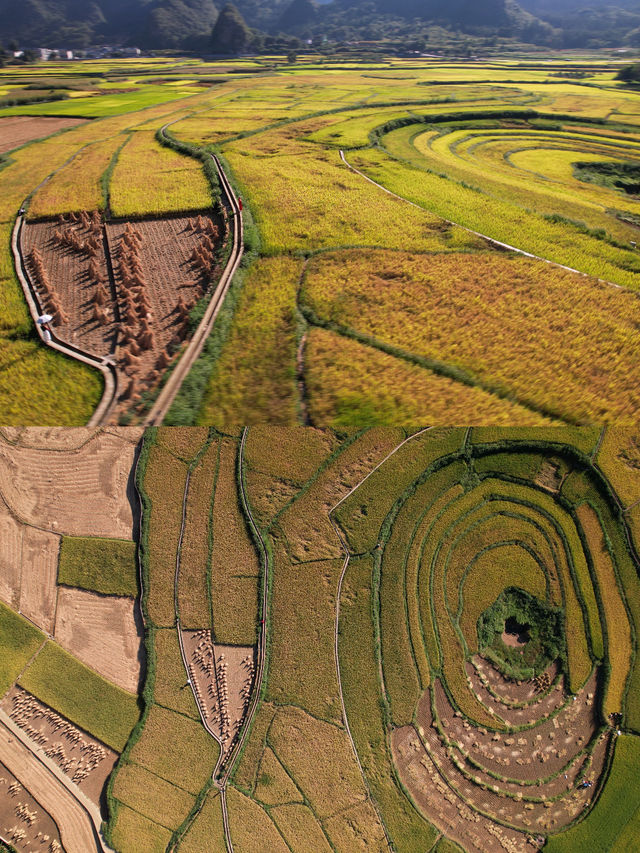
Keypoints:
pixel 151 180
pixel 493 317
pixel 489 147
pixel 77 186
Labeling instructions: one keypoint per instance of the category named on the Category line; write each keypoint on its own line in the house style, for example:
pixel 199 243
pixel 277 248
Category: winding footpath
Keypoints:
pixel 220 776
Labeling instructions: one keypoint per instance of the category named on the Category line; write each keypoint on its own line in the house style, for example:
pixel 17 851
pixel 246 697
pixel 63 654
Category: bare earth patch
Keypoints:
pixel 16 130
pixel 81 492
pixel 23 821
pixel 222 677
pixel 81 757
pixel 101 631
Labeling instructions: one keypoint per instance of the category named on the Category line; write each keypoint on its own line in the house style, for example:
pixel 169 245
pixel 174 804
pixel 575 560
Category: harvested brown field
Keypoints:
pixel 22 818
pixel 123 290
pixel 39 573
pixel 104 632
pixel 67 264
pixel 17 130
pixel 83 492
pixel 85 760
pixel 162 268
pixel 75 828
pixel 10 559
pixel 222 679
pixel 445 809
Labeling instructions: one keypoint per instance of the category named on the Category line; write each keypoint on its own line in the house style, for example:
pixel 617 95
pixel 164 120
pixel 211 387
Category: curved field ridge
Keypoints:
pixel 495 743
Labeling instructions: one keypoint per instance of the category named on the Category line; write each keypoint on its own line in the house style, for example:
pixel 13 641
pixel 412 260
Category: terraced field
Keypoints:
pixel 381 639
pixel 389 168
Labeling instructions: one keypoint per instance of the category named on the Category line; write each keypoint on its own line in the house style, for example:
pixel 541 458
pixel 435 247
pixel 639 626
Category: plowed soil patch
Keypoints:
pixel 16 130
pixel 102 632
pixel 75 278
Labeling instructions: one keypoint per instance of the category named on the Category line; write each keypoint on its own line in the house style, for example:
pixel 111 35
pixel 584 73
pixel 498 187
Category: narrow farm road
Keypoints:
pixel 78 819
pixel 172 386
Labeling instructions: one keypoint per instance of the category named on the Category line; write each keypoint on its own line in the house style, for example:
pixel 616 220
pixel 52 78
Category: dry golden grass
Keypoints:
pixel 267 495
pixel 193 594
pixel 247 769
pixel 185 443
pixel 164 483
pixel 291 454
pixel 349 383
pixel 302 665
pixel 300 829
pixel 133 831
pixel 274 785
pixel 253 381
pixel 357 829
pixel 150 180
pixel 303 197
pixel 176 748
pixel 252 830
pixel 555 340
pixel 78 185
pixel 619 458
pixel 319 758
pixel 207 830
pixel 150 795
pixel 171 675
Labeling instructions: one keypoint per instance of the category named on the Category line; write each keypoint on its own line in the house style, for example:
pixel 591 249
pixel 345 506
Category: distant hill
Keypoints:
pixel 78 23
pixel 608 23
pixel 184 24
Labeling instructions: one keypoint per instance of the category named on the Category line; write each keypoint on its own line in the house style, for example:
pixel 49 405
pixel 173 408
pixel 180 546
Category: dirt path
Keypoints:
pixel 73 817
pixel 193 350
